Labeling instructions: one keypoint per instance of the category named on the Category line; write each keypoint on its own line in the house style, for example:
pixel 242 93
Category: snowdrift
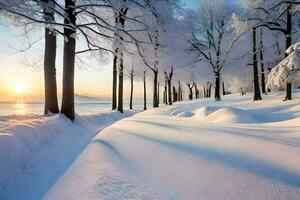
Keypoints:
pixel 230 115
pixel 44 146
pixel 219 115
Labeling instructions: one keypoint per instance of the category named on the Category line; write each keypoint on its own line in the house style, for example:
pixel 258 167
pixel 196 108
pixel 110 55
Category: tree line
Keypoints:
pixel 218 48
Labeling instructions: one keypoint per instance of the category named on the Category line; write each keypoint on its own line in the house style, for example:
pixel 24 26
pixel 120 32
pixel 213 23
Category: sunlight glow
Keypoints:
pixel 20 88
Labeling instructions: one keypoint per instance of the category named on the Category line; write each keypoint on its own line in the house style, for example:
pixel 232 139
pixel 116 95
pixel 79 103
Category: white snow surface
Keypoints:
pixel 230 150
pixel 36 150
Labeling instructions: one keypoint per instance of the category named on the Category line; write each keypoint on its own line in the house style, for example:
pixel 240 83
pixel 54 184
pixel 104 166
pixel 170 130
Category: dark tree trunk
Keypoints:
pixel 288 44
pixel 155 103
pixel 67 106
pixel 166 92
pixel 209 90
pixel 168 78
pixel 51 103
pixel 174 94
pixel 242 92
pixel 256 91
pixel 217 87
pixel 121 77
pixel 169 92
pixel 131 89
pixel 288 35
pixel 158 94
pixel 288 92
pixel 190 91
pixel 115 81
pixel 196 92
pixel 224 91
pixel 121 20
pixel 191 94
pixel 179 97
pixel 262 68
pixel 145 92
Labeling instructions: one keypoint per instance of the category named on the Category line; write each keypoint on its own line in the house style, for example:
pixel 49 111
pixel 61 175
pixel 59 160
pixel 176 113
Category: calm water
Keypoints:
pixel 83 108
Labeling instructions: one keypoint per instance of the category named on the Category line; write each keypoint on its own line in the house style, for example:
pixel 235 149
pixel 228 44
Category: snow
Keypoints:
pixel 288 70
pixel 231 149
pixel 36 150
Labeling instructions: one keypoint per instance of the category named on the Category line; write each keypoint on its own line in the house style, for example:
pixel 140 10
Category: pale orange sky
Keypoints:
pixel 95 81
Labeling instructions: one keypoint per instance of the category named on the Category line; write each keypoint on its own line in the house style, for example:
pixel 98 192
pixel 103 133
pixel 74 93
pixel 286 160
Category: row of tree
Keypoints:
pixel 162 39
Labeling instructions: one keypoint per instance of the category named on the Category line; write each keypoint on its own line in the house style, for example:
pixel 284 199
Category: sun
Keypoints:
pixel 20 88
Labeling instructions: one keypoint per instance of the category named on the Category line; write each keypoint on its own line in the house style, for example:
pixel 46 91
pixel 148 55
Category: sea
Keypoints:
pixel 81 107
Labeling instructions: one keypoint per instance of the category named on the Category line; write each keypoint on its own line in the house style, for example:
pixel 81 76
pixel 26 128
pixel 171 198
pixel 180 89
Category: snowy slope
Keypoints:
pixel 234 149
pixel 36 150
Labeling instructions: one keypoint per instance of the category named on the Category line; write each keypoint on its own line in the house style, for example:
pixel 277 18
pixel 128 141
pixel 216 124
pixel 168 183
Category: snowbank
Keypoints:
pixel 232 115
pixel 35 150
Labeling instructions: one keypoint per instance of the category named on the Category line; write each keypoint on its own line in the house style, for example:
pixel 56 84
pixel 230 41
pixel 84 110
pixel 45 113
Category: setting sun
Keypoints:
pixel 20 88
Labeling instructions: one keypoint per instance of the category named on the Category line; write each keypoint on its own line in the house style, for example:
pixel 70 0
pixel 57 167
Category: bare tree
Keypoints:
pixel 212 36
pixel 190 87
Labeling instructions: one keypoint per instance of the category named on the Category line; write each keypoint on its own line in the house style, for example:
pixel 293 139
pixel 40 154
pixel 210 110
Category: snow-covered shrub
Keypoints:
pixel 287 71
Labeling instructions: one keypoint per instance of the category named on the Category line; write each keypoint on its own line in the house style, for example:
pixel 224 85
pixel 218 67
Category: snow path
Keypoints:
pixel 180 152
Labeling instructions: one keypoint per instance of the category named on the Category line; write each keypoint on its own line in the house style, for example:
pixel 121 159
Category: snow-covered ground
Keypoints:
pixel 234 149
pixel 36 150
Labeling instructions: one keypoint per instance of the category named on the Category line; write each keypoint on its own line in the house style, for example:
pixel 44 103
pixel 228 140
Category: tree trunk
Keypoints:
pixel 224 91
pixel 191 94
pixel 166 92
pixel 155 103
pixel 174 94
pixel 196 95
pixel 145 92
pixel 288 44
pixel 170 93
pixel 256 91
pixel 67 106
pixel 121 77
pixel 51 103
pixel 131 90
pixel 263 82
pixel 121 20
pixel 191 91
pixel 217 86
pixel 158 93
pixel 209 90
pixel 179 97
pixel 288 92
pixel 115 81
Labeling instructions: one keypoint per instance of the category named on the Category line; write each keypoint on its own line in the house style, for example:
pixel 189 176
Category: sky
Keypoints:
pixel 26 68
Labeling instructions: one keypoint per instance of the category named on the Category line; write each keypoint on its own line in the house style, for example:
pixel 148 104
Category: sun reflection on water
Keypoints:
pixel 20 108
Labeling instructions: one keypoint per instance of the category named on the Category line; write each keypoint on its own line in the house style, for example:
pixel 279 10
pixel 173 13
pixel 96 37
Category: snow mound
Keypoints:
pixel 230 115
pixel 205 111
pixel 186 114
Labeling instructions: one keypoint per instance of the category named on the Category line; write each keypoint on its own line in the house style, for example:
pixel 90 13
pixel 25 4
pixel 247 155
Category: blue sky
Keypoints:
pixel 191 3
